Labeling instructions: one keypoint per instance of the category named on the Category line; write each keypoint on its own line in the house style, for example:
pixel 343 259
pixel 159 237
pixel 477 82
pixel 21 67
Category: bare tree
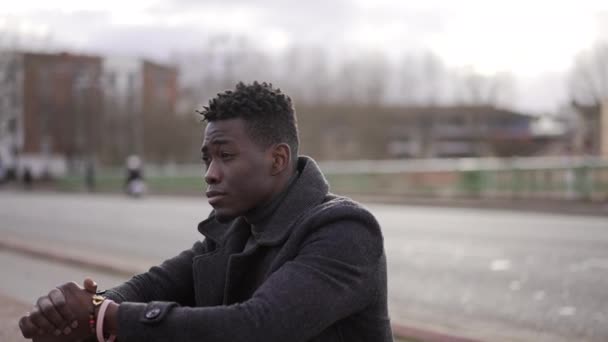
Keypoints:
pixel 363 80
pixel 408 81
pixel 12 38
pixel 474 88
pixel 589 75
pixel 312 76
pixel 422 79
pixel 373 84
pixel 220 62
pixel 434 78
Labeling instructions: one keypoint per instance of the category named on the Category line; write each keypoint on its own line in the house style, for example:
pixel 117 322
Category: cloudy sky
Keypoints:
pixel 535 40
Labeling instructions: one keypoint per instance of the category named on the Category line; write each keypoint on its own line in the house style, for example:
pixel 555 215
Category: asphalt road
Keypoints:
pixel 493 275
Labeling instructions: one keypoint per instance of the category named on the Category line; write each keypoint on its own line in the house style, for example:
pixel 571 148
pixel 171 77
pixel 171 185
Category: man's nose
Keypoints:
pixel 213 174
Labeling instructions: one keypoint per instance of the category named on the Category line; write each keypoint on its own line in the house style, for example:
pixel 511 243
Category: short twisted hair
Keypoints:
pixel 269 114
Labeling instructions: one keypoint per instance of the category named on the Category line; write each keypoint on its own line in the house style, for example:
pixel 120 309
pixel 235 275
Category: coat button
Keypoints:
pixel 153 313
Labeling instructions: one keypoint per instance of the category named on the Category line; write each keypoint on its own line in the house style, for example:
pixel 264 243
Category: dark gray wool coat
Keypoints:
pixel 317 272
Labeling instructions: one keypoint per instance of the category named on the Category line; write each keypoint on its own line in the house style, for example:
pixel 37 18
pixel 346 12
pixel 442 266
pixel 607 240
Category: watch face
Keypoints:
pixel 97 299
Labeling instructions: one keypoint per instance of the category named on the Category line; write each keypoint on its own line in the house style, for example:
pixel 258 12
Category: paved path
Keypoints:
pixel 24 279
pixel 493 275
pixel 10 311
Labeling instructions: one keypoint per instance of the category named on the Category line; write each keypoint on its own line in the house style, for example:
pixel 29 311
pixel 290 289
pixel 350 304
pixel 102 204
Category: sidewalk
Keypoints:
pixel 10 312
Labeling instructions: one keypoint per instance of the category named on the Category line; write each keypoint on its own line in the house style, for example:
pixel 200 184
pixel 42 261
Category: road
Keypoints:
pixel 492 275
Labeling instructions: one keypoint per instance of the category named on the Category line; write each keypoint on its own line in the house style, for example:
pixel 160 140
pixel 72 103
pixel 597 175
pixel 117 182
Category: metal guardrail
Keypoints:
pixel 564 178
pixel 458 164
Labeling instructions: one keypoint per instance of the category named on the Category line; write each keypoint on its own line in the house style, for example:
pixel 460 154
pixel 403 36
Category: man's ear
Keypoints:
pixel 281 156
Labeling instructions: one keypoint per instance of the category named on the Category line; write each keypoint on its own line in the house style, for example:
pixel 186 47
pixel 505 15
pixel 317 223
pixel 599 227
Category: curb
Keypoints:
pixel 73 259
pixel 129 269
pixel 408 332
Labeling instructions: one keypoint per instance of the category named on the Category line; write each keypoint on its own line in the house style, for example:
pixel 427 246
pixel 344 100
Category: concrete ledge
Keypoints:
pixel 426 335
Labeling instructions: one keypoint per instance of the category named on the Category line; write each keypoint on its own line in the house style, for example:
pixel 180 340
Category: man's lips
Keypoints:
pixel 214 196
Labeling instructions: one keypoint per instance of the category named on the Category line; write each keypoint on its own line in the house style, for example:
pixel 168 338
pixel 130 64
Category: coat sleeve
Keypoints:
pixel 334 275
pixel 170 281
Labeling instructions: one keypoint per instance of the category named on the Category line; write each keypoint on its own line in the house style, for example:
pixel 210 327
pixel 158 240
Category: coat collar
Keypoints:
pixel 308 190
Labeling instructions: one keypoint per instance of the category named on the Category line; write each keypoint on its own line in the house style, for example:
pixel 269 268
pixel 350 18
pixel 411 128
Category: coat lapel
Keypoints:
pixel 239 267
pixel 211 270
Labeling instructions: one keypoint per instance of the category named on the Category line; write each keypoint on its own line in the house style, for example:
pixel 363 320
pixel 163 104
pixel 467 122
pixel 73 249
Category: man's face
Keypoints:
pixel 238 173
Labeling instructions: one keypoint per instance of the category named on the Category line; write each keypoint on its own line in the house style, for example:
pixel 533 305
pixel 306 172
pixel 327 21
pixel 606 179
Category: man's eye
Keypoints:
pixel 225 155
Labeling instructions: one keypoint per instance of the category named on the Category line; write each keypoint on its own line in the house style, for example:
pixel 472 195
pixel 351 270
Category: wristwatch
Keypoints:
pixel 96 301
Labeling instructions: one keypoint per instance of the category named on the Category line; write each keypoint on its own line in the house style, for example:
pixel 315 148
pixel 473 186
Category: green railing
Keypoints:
pixel 566 178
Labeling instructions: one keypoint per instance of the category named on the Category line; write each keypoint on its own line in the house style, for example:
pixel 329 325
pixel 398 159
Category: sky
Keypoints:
pixel 534 40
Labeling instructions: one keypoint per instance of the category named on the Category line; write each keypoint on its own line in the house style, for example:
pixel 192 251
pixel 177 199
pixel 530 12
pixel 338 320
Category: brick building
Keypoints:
pixel 60 111
pixel 342 132
pixel 591 136
pixel 11 107
pixel 138 95
pixel 52 104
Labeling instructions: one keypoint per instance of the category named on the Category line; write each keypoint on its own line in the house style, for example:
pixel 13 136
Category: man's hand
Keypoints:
pixel 65 310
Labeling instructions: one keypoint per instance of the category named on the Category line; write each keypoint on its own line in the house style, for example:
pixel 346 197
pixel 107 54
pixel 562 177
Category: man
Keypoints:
pixel 282 259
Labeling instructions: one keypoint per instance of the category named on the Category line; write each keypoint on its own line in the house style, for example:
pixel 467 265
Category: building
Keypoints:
pixel 51 110
pixel 591 136
pixel 138 95
pixel 60 112
pixel 342 132
pixel 11 107
pixel 604 129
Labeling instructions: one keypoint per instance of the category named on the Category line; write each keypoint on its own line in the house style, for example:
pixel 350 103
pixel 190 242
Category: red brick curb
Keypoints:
pixel 427 335
pixel 78 259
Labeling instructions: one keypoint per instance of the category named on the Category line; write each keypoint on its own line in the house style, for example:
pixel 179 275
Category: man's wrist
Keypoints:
pixel 110 319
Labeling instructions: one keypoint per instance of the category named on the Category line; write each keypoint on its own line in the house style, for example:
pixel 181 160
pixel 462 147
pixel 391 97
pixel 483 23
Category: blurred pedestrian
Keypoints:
pixel 28 178
pixel 3 172
pixel 134 182
pixel 89 175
